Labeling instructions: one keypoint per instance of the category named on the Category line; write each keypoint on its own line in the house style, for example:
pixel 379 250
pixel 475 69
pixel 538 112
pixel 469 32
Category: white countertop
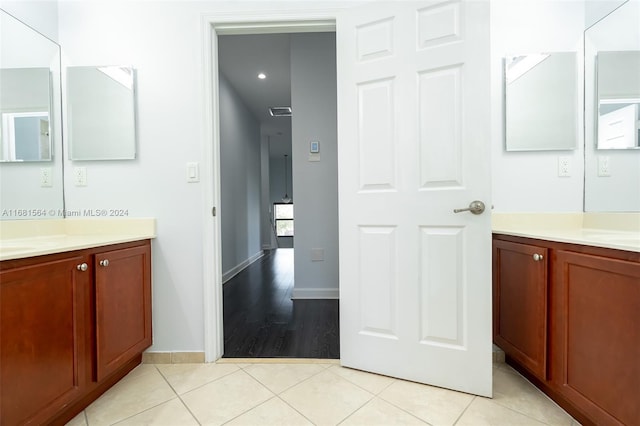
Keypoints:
pixel 28 238
pixel 619 231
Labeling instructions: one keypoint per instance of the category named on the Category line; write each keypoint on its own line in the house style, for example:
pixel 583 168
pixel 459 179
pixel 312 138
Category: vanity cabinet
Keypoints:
pixel 123 307
pixel 596 335
pixel 71 325
pixel 520 303
pixel 571 324
pixel 44 319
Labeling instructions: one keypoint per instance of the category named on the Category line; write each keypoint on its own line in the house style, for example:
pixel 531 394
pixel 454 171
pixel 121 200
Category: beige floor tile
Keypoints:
pixel 79 420
pixel 513 391
pixel 370 382
pixel 171 413
pixel 378 412
pixel 186 377
pixel 140 390
pixel 273 412
pixel 434 405
pixel 484 412
pixel 279 377
pixel 326 398
pixel 226 398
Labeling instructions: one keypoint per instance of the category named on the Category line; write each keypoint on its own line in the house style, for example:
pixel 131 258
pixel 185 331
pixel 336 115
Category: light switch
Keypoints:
pixel 193 172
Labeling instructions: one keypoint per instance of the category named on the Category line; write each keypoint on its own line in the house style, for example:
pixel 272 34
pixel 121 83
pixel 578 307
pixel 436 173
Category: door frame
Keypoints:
pixel 232 23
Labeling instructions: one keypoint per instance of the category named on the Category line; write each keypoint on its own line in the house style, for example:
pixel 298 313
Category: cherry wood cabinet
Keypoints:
pixel 596 335
pixel 520 303
pixel 70 327
pixel 586 355
pixel 43 322
pixel 123 307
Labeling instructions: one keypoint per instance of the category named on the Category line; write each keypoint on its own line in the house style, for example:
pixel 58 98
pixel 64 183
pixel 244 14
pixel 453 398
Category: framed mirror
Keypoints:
pixel 31 183
pixel 101 113
pixel 618 99
pixel 541 102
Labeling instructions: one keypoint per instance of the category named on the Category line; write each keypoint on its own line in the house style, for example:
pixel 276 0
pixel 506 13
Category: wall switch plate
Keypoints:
pixel 604 166
pixel 193 172
pixel 46 178
pixel 80 176
pixel 564 166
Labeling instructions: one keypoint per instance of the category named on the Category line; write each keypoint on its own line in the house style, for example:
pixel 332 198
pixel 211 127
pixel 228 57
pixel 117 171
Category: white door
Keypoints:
pixel 413 141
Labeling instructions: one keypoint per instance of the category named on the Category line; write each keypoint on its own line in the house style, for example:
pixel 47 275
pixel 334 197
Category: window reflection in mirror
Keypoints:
pixel 101 113
pixel 541 102
pixel 618 81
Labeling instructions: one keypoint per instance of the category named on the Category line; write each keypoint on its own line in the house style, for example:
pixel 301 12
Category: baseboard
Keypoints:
pixel 173 357
pixel 238 268
pixel 315 293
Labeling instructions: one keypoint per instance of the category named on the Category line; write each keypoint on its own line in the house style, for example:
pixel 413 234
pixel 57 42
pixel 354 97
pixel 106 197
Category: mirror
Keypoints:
pixel 30 123
pixel 541 102
pixel 612 78
pixel 25 105
pixel 618 83
pixel 101 117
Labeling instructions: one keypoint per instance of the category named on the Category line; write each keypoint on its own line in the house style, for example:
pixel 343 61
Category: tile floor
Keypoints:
pixel 306 394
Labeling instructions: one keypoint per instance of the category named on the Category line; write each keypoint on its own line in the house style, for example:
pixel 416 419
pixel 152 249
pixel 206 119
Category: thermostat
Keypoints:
pixel 314 147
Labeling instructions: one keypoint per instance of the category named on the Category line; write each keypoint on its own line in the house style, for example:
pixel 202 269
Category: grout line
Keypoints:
pixel 393 379
pixel 403 410
pixel 465 409
pixel 179 397
pixel 295 409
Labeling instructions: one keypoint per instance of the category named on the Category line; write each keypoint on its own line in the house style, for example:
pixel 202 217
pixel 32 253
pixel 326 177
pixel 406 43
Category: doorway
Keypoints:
pixel 260 319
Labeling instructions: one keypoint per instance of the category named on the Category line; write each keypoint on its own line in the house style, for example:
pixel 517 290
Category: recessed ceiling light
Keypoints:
pixel 262 76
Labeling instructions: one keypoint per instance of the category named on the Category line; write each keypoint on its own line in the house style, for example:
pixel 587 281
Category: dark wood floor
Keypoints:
pixel 261 320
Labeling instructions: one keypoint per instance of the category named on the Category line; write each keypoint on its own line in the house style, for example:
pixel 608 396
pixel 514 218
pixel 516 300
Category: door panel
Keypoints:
pixel 413 143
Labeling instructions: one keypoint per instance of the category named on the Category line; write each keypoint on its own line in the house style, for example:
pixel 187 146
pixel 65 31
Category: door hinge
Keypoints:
pixel 213 211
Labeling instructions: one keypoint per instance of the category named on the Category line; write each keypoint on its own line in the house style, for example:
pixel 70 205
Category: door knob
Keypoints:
pixel 476 207
pixel 537 257
pixel 104 262
pixel 82 267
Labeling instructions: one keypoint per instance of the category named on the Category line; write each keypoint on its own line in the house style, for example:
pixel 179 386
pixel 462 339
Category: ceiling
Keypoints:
pixel 240 59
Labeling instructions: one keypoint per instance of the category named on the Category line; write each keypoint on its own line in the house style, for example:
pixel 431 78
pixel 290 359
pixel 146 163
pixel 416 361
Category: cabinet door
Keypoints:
pixel 43 353
pixel 123 306
pixel 520 303
pixel 595 335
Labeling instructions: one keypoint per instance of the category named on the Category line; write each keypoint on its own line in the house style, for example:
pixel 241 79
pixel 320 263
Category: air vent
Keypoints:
pixel 280 111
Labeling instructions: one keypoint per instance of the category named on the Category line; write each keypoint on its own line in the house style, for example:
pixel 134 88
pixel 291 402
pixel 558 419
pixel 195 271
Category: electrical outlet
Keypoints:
pixel 564 166
pixel 46 179
pixel 80 176
pixel 604 166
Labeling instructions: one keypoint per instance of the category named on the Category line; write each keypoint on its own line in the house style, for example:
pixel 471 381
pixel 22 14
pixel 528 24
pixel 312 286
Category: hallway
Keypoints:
pixel 261 320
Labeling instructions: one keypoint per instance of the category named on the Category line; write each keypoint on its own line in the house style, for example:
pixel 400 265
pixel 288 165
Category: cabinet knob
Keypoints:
pixel 104 262
pixel 537 257
pixel 82 267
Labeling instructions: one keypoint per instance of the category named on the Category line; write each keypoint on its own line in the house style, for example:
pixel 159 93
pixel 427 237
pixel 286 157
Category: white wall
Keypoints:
pixel 239 180
pixel 164 42
pixel 39 15
pixel 313 100
pixel 528 181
